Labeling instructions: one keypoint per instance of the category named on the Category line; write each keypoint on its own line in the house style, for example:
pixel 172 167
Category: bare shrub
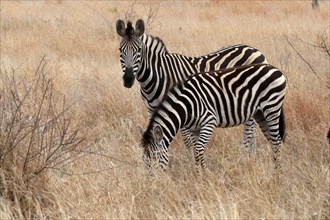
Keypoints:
pixel 323 38
pixel 322 45
pixel 150 12
pixel 152 15
pixel 38 131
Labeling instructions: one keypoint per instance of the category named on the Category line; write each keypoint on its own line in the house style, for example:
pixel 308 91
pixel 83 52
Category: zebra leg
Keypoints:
pixel 249 138
pixel 188 139
pixel 270 128
pixel 275 141
pixel 205 134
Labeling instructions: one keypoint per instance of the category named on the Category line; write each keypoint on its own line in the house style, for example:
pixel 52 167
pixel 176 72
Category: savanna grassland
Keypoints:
pixel 69 137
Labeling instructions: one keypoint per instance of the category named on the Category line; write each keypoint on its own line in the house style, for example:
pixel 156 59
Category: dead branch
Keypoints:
pixel 308 64
pixel 152 14
pixel 323 45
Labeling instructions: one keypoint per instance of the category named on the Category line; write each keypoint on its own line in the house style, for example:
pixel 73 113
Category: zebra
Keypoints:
pixel 222 98
pixel 146 59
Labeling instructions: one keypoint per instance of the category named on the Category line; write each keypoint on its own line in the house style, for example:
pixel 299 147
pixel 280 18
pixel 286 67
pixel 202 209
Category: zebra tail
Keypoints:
pixel 282 125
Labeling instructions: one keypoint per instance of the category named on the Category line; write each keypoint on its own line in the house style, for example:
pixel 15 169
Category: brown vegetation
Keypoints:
pixel 68 128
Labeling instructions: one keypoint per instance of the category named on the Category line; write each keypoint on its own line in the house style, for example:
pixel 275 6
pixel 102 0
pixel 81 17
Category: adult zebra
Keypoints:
pixel 223 98
pixel 145 58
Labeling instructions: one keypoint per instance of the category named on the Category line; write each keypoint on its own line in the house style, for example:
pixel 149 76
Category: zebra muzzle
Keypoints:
pixel 128 78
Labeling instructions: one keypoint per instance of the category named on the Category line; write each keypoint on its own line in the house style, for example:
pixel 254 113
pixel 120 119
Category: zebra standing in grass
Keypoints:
pixel 146 59
pixel 223 98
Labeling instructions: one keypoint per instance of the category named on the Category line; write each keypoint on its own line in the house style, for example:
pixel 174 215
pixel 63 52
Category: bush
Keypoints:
pixel 38 132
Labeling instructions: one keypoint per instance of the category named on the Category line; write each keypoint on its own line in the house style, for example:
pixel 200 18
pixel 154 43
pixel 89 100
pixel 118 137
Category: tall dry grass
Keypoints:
pixel 105 176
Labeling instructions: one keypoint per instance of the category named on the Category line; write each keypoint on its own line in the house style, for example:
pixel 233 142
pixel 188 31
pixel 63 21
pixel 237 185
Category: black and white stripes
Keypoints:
pixel 231 56
pixel 146 59
pixel 212 99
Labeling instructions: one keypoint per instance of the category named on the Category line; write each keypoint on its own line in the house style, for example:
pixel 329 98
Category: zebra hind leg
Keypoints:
pixel 249 139
pixel 270 129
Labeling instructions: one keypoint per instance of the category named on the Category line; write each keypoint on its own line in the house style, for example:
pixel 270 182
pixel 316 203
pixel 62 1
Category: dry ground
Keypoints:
pixel 107 180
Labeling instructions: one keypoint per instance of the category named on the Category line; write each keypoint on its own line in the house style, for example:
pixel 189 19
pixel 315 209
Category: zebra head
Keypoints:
pixel 130 49
pixel 154 148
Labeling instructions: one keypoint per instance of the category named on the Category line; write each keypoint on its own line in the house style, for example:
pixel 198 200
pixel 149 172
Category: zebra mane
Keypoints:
pixel 129 29
pixel 159 40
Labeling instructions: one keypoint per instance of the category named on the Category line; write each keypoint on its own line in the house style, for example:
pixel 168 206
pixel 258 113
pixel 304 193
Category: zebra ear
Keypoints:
pixel 139 27
pixel 158 133
pixel 120 27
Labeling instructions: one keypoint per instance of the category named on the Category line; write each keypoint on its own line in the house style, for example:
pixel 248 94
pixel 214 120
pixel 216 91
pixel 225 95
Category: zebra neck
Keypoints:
pixel 151 74
pixel 153 51
pixel 158 64
pixel 171 115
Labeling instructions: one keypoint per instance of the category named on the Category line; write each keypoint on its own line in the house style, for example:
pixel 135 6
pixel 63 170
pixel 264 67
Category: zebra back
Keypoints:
pixel 227 57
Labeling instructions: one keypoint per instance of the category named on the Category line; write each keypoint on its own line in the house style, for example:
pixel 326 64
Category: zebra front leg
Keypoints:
pixel 203 138
pixel 249 138
pixel 188 138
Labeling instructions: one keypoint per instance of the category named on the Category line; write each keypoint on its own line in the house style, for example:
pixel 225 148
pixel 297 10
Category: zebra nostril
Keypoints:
pixel 128 77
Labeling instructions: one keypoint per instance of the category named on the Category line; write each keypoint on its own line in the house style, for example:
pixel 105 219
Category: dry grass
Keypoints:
pixel 109 181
